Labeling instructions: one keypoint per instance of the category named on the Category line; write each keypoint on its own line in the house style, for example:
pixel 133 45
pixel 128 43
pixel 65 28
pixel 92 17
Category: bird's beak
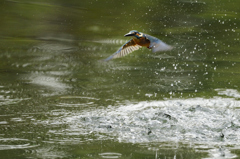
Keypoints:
pixel 129 34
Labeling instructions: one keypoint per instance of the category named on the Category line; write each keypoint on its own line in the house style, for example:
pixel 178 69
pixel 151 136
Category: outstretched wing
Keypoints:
pixel 124 50
pixel 157 45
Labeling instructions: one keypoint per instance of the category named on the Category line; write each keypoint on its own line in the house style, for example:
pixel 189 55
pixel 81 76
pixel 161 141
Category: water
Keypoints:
pixel 59 100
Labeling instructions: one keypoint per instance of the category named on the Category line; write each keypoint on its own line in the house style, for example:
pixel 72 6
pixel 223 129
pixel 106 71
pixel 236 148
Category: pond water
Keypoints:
pixel 59 100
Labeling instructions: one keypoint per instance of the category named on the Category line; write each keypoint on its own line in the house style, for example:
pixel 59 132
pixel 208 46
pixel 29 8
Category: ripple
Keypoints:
pixel 53 47
pixel 17 119
pixel 3 122
pixel 15 143
pixel 76 97
pixel 110 155
pixel 7 101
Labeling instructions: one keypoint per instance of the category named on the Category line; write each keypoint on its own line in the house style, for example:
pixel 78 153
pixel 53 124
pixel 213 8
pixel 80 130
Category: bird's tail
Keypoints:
pixel 161 46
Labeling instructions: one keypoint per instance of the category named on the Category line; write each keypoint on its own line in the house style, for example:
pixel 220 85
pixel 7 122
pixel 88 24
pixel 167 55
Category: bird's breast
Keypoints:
pixel 142 42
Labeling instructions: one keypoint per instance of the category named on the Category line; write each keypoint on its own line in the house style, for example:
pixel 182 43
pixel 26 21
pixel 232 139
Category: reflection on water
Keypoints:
pixel 58 100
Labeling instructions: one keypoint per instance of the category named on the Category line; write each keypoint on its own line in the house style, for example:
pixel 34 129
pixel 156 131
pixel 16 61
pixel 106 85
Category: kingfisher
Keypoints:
pixel 139 40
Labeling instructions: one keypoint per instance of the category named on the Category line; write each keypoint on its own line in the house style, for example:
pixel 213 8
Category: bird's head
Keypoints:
pixel 135 34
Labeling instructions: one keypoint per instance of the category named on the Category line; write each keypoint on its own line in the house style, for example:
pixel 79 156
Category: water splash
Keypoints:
pixel 203 121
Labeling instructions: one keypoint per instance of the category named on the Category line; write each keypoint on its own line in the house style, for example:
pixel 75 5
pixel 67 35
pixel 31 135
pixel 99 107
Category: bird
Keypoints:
pixel 139 40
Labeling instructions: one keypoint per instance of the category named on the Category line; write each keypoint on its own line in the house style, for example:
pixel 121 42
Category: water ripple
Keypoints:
pixel 15 143
pixel 110 155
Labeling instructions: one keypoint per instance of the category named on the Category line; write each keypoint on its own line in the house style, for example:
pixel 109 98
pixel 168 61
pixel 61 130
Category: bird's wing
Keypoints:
pixel 157 45
pixel 124 50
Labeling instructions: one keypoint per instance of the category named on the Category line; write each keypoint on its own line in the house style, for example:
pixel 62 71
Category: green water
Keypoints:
pixel 58 100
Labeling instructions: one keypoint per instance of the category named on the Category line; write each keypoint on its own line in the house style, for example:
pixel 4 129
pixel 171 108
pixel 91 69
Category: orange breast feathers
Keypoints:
pixel 142 42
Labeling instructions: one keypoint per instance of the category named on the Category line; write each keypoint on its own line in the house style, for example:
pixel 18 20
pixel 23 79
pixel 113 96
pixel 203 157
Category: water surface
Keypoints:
pixel 58 100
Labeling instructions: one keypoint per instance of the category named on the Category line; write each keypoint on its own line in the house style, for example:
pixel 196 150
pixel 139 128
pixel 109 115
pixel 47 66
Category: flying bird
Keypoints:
pixel 139 39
